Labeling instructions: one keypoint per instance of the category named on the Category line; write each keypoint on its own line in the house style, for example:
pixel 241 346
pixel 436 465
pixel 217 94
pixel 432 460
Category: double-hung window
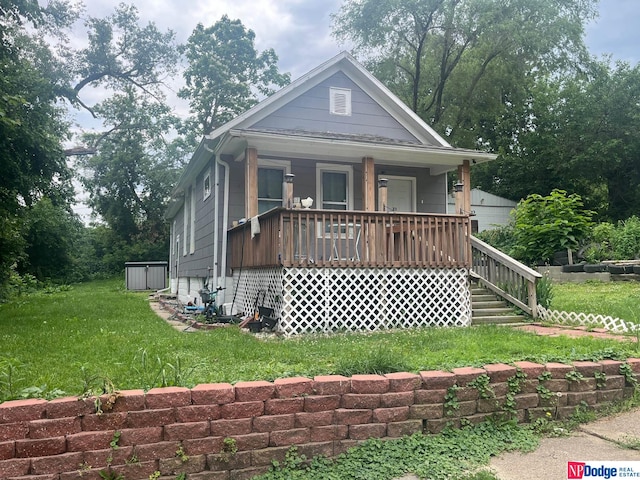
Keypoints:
pixel 334 190
pixel 334 187
pixel 269 188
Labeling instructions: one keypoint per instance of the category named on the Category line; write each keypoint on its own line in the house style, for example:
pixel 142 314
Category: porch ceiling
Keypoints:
pixel 345 148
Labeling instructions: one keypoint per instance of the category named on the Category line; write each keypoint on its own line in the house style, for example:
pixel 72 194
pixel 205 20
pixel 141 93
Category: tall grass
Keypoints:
pixel 56 342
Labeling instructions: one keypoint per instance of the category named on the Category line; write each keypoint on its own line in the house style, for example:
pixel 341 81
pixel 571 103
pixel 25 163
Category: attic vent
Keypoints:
pixel 340 101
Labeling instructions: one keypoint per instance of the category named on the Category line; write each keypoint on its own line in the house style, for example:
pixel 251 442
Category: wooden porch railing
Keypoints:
pixel 507 277
pixel 337 238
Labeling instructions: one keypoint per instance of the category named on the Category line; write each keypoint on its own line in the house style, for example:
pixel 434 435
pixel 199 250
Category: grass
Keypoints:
pixel 71 341
pixel 616 299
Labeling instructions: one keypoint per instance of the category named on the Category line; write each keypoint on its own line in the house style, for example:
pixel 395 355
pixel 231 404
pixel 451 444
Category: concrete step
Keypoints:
pixel 498 319
pixel 489 309
pixel 492 312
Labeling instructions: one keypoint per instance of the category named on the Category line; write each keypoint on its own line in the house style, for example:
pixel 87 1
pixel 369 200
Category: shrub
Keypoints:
pixel 545 225
pixel 544 291
pixel 599 246
pixel 625 239
pixel 500 237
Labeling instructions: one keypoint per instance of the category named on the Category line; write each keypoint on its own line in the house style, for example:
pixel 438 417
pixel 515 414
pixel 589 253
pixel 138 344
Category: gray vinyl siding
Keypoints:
pixel 430 190
pixel 177 249
pixel 196 264
pixel 236 191
pixel 310 112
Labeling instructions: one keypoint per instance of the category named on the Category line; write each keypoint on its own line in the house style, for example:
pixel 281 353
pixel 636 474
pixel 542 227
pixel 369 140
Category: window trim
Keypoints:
pixel 206 190
pixel 274 164
pixel 335 107
pixel 332 167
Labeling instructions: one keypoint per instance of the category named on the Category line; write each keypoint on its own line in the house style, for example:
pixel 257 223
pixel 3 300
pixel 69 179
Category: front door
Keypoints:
pixel 401 194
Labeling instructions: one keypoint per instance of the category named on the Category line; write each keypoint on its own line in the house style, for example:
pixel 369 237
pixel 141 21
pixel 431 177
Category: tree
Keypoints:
pixel 32 125
pixel 575 133
pixel 226 74
pixel 120 54
pixel 460 64
pixel 50 233
pixel 545 225
pixel 129 179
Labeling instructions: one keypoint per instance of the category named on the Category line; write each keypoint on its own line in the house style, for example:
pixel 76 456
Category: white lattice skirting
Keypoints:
pixel 617 325
pixel 357 299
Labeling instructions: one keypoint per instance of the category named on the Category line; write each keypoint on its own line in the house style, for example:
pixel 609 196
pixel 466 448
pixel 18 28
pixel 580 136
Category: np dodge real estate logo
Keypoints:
pixel 603 470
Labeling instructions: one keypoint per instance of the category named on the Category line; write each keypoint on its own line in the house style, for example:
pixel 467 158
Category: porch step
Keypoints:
pixel 498 320
pixel 487 309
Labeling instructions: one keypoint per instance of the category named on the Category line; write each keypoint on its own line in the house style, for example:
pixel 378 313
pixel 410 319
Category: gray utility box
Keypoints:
pixel 146 275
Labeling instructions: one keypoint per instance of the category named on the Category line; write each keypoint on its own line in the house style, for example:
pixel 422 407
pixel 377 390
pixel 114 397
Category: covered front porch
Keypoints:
pixel 336 270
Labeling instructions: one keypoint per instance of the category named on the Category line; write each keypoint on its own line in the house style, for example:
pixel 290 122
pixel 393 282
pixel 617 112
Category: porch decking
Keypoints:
pixel 332 270
pixel 338 238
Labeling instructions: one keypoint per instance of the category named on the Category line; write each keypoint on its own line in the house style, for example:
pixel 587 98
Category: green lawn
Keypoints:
pixel 63 340
pixel 616 299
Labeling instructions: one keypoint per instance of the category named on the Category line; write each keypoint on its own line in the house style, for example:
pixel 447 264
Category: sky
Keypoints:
pixel 300 31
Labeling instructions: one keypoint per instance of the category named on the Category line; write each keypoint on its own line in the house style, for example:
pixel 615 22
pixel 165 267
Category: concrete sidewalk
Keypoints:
pixel 602 440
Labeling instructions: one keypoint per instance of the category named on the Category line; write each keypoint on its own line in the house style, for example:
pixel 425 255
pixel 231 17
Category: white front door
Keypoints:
pixel 401 194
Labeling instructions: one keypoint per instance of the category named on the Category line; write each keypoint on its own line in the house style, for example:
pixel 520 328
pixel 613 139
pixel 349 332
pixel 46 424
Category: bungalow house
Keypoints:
pixel 376 247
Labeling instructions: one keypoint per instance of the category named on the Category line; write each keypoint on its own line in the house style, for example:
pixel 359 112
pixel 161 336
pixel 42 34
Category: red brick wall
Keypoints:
pixel 157 431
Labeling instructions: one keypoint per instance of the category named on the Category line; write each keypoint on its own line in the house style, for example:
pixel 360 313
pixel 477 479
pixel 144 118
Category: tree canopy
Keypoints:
pixel 576 133
pixel 460 64
pixel 226 75
pixel 32 126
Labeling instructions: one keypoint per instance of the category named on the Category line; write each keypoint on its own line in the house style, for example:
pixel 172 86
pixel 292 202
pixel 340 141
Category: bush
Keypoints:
pixel 625 239
pixel 599 246
pixel 614 242
pixel 544 291
pixel 545 225
pixel 500 237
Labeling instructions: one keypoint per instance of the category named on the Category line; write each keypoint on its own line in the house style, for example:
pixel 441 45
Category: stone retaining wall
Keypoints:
pixel 220 431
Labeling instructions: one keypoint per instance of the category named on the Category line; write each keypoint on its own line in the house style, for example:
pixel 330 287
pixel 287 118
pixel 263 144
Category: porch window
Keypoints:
pixel 334 190
pixel 269 188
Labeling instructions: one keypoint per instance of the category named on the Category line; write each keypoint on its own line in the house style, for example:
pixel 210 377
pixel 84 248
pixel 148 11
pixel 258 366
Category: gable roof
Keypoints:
pixel 346 63
pixel 432 150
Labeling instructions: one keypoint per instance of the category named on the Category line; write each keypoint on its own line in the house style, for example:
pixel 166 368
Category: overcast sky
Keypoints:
pixel 300 30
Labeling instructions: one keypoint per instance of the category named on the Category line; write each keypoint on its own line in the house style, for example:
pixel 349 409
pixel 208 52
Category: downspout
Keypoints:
pixel 225 217
pixel 216 175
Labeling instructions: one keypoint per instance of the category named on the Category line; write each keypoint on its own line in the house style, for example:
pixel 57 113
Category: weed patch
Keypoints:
pixel 452 454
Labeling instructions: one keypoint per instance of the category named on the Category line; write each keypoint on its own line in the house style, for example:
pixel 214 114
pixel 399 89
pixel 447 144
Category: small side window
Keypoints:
pixel 340 101
pixel 206 187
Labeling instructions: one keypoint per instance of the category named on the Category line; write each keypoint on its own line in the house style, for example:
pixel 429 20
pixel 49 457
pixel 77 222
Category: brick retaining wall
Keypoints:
pixel 173 430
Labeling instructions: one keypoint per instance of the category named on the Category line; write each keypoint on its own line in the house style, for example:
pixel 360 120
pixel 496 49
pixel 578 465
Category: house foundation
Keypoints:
pixel 311 300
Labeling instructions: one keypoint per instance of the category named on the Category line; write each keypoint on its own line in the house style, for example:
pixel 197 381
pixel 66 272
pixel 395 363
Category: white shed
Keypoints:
pixel 490 210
